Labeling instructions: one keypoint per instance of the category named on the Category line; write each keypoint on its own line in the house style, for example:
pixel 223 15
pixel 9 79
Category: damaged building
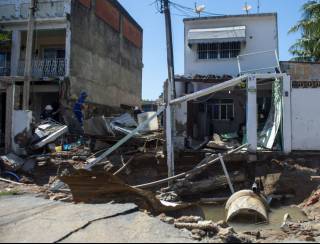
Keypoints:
pixel 93 46
pixel 222 49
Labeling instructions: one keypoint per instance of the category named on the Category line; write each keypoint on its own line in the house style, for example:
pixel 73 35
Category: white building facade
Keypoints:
pixel 219 49
pixel 213 44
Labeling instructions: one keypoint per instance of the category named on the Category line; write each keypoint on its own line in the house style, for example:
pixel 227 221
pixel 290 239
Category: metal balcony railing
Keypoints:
pixel 5 70
pixel 45 9
pixel 45 68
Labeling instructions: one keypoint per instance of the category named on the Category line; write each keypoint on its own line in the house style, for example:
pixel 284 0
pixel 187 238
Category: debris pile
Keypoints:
pixel 49 150
pixel 205 229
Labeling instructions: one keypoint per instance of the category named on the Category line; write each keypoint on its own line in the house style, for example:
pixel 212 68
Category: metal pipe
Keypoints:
pixel 163 181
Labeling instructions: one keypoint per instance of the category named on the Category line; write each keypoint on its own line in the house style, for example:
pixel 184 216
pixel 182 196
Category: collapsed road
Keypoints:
pixel 30 219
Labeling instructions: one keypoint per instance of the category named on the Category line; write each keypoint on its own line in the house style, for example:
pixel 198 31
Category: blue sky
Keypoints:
pixel 154 53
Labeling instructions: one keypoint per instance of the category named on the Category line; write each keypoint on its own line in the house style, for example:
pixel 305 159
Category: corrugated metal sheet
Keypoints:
pixel 213 35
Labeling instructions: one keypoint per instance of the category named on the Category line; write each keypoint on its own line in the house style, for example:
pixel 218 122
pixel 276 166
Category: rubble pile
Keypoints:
pixel 201 229
pixel 50 150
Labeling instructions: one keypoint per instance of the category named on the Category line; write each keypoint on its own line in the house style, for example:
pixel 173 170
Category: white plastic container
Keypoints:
pixel 153 124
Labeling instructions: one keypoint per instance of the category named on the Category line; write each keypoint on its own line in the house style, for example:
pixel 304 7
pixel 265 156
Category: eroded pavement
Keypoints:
pixel 27 218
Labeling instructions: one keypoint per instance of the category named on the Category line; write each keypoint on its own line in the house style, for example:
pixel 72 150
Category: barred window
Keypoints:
pixel 219 50
pixel 208 51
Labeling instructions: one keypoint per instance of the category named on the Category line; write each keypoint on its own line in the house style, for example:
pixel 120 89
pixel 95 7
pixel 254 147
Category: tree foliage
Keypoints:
pixel 307 48
pixel 5 36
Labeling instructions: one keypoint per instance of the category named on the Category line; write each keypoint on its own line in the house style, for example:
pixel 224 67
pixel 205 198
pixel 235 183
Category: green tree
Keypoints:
pixel 307 48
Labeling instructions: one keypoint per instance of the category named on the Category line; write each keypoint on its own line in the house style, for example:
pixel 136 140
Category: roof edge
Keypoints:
pixel 231 16
pixel 126 13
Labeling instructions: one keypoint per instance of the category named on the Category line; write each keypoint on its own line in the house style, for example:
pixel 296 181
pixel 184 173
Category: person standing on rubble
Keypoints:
pixel 79 106
pixel 47 113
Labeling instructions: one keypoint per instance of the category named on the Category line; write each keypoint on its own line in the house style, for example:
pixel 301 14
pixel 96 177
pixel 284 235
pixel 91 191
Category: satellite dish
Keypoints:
pixel 199 9
pixel 247 8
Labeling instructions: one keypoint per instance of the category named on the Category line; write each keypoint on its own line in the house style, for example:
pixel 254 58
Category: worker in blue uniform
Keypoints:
pixel 79 106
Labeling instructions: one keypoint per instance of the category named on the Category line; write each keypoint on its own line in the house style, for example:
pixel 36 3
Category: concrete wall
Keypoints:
pixel 305 93
pixel 105 61
pixel 302 71
pixel 261 35
pixel 305 119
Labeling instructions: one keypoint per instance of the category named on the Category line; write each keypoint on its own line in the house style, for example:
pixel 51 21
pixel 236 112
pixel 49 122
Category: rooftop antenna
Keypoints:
pixel 247 8
pixel 199 9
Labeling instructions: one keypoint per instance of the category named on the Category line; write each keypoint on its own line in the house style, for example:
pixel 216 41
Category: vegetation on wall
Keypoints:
pixel 307 48
pixel 5 36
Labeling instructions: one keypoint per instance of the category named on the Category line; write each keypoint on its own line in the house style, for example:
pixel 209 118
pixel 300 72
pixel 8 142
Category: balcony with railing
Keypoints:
pixel 19 9
pixel 5 70
pixel 45 68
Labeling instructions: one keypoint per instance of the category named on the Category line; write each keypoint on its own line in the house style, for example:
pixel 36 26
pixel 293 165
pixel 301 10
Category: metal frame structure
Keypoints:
pixel 272 67
pixel 252 125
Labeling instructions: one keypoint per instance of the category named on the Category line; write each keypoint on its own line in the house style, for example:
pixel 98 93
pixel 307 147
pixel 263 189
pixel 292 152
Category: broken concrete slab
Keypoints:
pixel 103 187
pixel 35 220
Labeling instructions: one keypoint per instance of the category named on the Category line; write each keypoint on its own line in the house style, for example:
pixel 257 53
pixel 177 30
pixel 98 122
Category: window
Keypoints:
pixel 4 64
pixel 223 109
pixel 219 50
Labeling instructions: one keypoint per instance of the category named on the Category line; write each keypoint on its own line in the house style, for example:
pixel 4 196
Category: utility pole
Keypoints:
pixel 171 91
pixel 28 60
pixel 166 10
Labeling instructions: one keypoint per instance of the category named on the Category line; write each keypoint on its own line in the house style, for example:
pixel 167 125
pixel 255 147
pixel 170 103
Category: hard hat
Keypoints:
pixel 49 108
pixel 84 94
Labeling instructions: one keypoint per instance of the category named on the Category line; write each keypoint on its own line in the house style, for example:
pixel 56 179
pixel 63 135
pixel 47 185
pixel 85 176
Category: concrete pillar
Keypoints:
pixel 15 52
pixel 68 49
pixel 10 92
pixel 287 115
pixel 252 123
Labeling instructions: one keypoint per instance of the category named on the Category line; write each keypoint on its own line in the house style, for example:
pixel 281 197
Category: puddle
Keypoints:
pixel 217 213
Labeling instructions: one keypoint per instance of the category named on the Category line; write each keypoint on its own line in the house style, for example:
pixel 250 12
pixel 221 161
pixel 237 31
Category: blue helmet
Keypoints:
pixel 84 94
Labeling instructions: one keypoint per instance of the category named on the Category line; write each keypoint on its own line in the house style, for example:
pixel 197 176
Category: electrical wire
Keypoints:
pixel 181 10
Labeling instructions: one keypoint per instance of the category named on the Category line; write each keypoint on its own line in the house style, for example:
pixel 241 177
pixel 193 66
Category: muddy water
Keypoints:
pixel 217 213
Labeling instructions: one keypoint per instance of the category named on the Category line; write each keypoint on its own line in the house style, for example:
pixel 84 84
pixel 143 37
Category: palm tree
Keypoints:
pixel 307 48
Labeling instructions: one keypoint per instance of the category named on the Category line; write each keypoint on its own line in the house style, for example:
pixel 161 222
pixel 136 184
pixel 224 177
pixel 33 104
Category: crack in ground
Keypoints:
pixel 96 220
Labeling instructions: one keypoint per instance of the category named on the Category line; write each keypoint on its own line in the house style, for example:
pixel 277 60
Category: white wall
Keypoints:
pixel 305 119
pixel 261 32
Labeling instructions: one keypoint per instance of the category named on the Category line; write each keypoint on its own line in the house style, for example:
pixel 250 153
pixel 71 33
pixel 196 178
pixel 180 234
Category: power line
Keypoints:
pixel 182 10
